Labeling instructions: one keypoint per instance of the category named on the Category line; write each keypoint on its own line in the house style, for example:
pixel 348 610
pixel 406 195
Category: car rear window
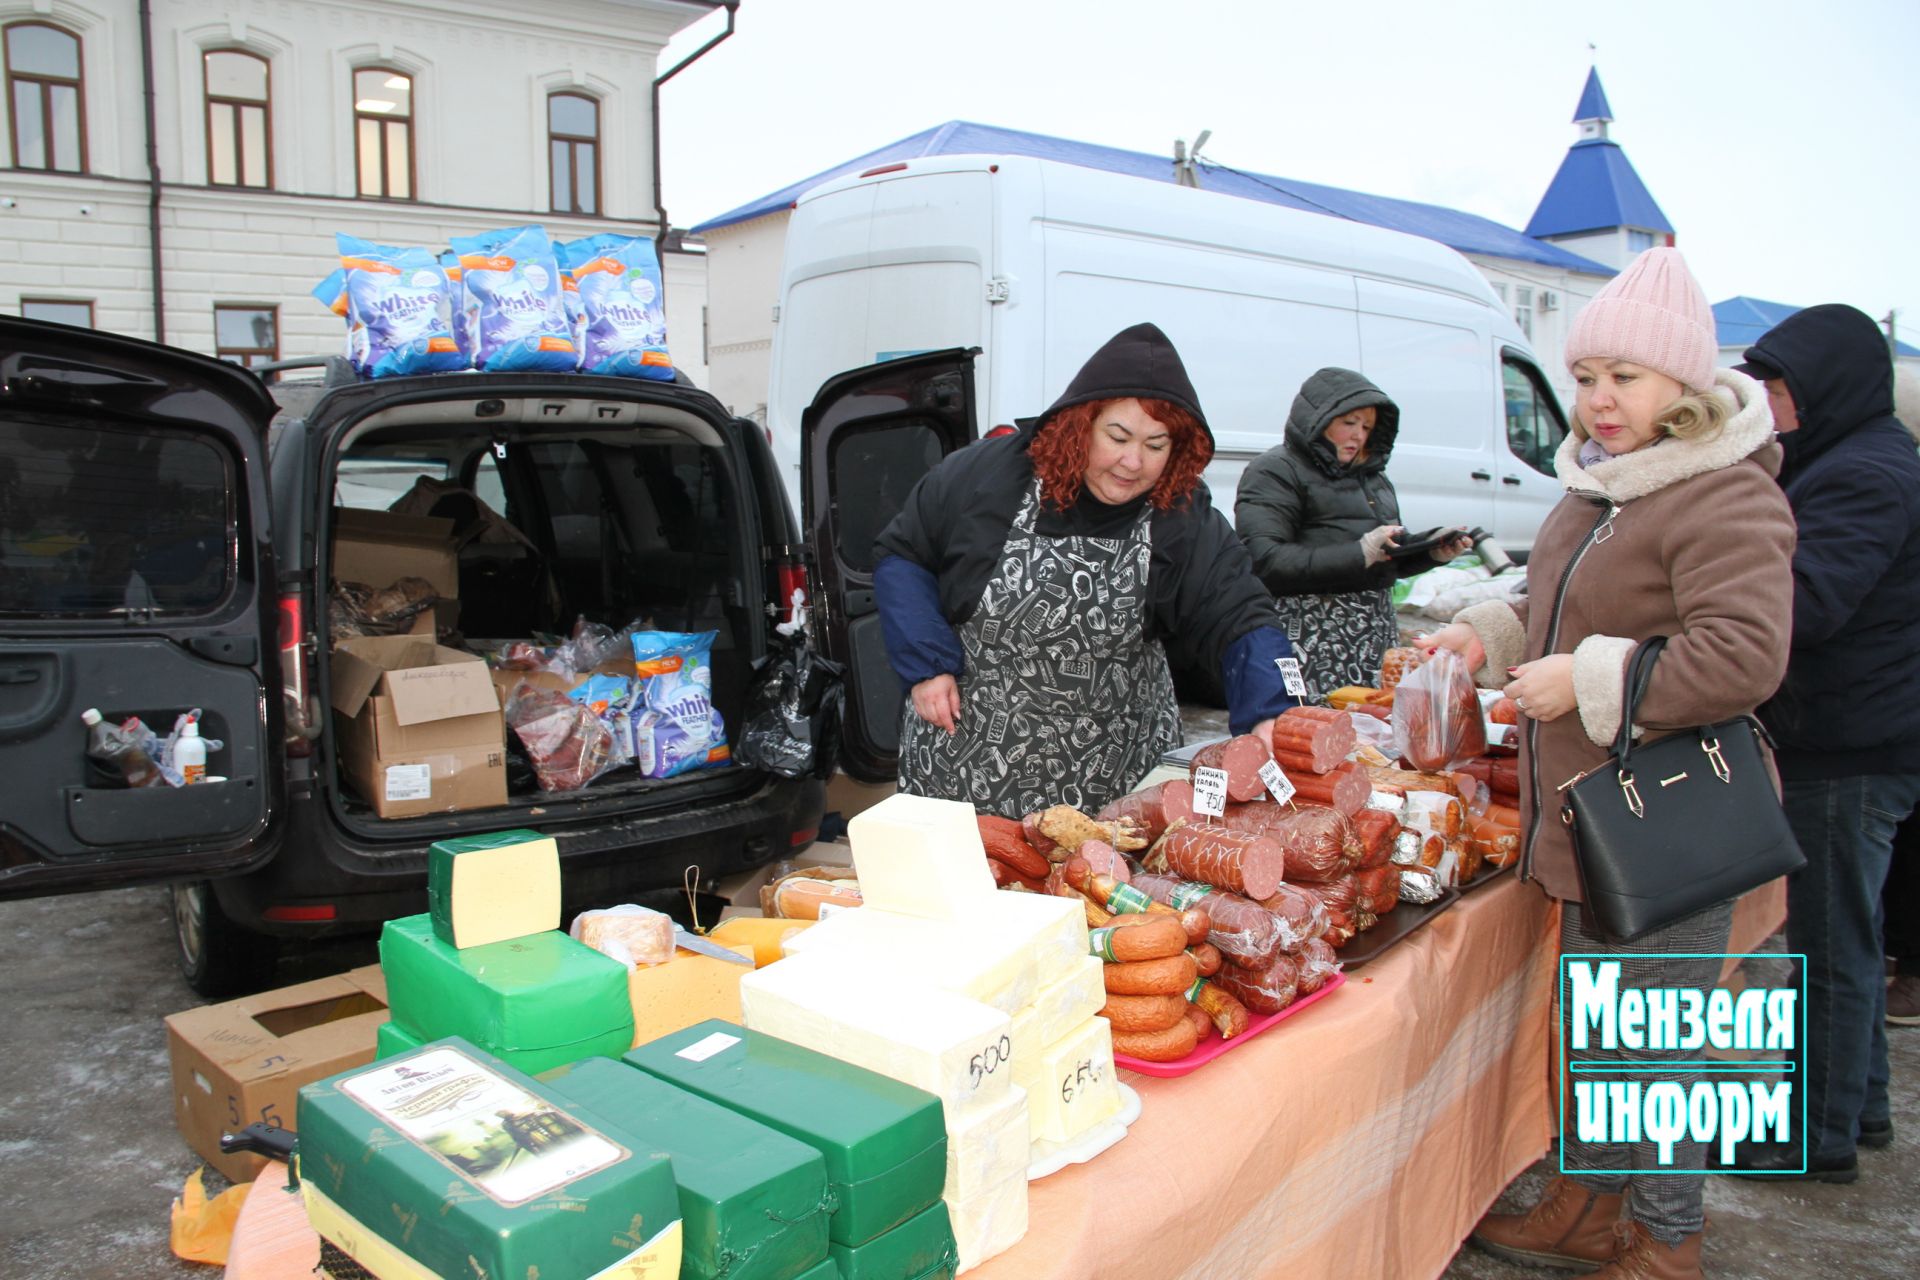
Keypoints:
pixel 105 520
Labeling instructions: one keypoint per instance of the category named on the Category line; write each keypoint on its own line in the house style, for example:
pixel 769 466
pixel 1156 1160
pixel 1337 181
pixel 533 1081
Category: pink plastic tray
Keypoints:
pixel 1213 1046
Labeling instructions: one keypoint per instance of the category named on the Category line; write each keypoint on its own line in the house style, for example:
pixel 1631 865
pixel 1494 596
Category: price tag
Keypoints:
pixel 1210 791
pixel 1290 673
pixel 1277 781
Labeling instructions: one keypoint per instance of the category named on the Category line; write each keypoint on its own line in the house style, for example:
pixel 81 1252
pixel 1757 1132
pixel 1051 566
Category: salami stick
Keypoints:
pixel 1248 864
pixel 1243 930
pixel 1240 759
pixel 1154 809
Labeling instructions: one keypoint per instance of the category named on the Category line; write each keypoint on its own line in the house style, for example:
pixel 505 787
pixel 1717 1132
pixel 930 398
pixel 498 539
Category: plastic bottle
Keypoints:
pixel 190 754
pixel 115 750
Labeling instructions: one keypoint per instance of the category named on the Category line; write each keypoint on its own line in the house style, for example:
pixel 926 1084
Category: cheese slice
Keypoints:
pixel 920 857
pixel 493 888
pixel 1063 1006
pixel 989 1222
pixel 863 1012
pixel 1070 1083
pixel 987 1143
pixel 970 959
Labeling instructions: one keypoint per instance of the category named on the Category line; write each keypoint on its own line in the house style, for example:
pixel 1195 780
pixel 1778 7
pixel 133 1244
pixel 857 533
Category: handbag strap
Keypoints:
pixel 1633 689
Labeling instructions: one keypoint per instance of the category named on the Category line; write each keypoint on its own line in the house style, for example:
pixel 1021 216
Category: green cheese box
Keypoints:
pixel 509 881
pixel 392 1039
pixel 828 1270
pixel 535 1002
pixel 753 1203
pixel 885 1143
pixel 447 1161
pixel 921 1248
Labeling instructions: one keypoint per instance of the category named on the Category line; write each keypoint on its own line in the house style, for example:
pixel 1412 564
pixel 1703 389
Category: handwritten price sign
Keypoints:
pixel 1277 782
pixel 1210 791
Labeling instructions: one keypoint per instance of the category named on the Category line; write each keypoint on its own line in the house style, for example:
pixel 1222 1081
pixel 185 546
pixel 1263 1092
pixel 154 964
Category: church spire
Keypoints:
pixel 1596 204
pixel 1593 115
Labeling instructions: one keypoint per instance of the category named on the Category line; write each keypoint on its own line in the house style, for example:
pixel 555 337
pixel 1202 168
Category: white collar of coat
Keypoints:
pixel 1651 469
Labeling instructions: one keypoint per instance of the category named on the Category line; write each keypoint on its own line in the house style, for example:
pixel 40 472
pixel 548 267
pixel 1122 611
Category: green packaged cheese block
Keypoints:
pixel 449 1162
pixel 921 1248
pixel 753 1203
pixel 828 1270
pixel 885 1143
pixel 535 1002
pixel 391 1038
pixel 490 888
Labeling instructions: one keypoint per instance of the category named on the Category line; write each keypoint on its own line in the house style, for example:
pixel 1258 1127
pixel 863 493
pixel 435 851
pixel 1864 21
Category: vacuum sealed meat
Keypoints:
pixel 1301 915
pixel 1375 829
pixel 1316 842
pixel 1244 862
pixel 1244 931
pixel 1377 892
pixel 1317 964
pixel 1267 990
pixel 567 743
pixel 1437 723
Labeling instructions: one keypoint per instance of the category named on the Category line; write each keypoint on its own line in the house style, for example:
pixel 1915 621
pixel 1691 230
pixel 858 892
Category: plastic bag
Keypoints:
pixel 676 727
pixel 567 743
pixel 1436 715
pixel 793 712
pixel 399 310
pixel 610 698
pixel 622 315
pixel 628 933
pixel 512 302
pixel 358 609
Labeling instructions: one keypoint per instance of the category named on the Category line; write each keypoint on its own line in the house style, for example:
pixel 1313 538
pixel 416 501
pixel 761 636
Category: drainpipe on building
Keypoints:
pixel 659 201
pixel 153 174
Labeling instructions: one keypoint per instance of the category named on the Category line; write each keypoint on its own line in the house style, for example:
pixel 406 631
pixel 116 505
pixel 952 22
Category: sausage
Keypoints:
pixel 1154 809
pixel 1317 963
pixel 1144 1013
pixel 1300 915
pixel 1326 715
pixel 1166 976
pixel 1505 815
pixel 1070 828
pixel 1267 990
pixel 1316 843
pixel 1105 860
pixel 1206 958
pixel 1228 1015
pixel 1377 891
pixel 1244 862
pixel 1004 840
pixel 1154 938
pixel 1375 830
pixel 1042 843
pixel 1240 758
pixel 1242 930
pixel 1395 663
pixel 1319 746
pixel 1294 764
pixel 1169 1044
pixel 1202 1024
pixel 801 897
pixel 1345 789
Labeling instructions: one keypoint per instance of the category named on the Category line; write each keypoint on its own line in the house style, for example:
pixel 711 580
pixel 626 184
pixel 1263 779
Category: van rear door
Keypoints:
pixel 135 578
pixel 866 439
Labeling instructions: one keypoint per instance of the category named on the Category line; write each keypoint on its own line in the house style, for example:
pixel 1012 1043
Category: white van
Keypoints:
pixel 1037 263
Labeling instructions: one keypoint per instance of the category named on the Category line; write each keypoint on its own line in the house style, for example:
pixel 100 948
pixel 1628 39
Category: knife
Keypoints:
pixel 700 946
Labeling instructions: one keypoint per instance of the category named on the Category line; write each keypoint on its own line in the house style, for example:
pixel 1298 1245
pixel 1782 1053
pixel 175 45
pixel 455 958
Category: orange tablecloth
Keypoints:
pixel 1362 1139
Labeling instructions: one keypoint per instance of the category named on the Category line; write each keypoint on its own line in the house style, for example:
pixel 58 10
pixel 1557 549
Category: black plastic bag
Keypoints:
pixel 793 712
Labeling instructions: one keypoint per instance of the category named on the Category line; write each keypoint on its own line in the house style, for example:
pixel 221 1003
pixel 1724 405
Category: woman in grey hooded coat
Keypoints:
pixel 1320 518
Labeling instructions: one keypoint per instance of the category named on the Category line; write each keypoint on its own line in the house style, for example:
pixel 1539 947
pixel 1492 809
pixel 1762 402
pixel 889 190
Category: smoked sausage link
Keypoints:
pixel 1144 1013
pixel 1169 976
pixel 1167 1045
pixel 1244 862
pixel 1242 930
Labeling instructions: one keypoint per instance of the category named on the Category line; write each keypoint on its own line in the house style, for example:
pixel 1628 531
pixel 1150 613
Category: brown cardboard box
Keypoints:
pixel 245 1060
pixel 379 548
pixel 420 729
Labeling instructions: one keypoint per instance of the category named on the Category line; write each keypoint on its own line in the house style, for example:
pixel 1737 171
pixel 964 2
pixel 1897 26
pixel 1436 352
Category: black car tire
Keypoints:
pixel 218 957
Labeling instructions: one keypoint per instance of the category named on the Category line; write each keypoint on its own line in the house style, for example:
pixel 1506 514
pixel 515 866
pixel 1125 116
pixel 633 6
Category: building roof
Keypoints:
pixel 1465 232
pixel 1596 188
pixel 1741 321
pixel 1593 100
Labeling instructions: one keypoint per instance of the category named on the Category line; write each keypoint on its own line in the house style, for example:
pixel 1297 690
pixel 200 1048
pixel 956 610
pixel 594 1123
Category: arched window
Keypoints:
pixel 239 118
pixel 46 96
pixel 383 132
pixel 573 150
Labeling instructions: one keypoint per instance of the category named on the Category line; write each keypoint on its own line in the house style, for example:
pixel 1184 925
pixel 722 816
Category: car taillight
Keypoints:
pixel 801 839
pixel 317 914
pixel 789 577
pixel 296 674
pixel 1002 430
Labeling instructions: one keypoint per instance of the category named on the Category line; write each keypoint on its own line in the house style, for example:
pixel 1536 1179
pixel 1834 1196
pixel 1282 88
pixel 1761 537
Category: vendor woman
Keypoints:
pixel 1029 589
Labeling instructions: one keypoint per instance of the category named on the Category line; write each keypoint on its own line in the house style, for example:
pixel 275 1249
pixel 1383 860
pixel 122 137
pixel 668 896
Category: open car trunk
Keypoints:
pixel 530 519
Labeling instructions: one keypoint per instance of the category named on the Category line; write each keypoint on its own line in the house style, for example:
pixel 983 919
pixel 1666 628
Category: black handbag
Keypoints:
pixel 1666 829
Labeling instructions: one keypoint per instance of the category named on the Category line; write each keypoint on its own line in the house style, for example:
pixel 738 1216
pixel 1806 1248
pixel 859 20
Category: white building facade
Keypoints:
pixel 279 122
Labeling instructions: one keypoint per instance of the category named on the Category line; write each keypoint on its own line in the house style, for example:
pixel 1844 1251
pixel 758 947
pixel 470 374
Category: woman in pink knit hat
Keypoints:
pixel 1671 525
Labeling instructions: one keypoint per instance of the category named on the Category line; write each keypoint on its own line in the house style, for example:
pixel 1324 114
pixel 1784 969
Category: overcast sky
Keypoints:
pixel 1780 138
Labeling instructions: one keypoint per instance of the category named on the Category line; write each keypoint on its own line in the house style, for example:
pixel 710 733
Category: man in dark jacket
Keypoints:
pixel 1847 718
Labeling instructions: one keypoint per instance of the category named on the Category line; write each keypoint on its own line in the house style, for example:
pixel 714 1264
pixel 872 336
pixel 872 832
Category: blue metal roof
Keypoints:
pixel 1741 321
pixel 1465 232
pixel 1596 188
pixel 1593 100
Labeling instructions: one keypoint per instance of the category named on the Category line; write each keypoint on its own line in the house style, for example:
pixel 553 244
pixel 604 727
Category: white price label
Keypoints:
pixel 409 782
pixel 1210 791
pixel 1277 781
pixel 1290 673
pixel 702 1049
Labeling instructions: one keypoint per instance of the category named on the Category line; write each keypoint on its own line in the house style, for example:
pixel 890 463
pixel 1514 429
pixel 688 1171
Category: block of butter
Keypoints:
pixel 687 989
pixel 1056 929
pixel 1070 1083
pixel 988 1222
pixel 492 888
pixel 920 857
pixel 1063 1006
pixel 987 1143
pixel 968 958
pixel 956 1049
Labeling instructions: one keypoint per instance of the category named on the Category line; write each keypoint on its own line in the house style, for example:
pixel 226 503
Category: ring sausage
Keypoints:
pixel 1154 938
pixel 1169 976
pixel 1168 1044
pixel 1144 1013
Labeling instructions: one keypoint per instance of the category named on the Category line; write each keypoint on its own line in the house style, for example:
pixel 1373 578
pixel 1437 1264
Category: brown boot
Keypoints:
pixel 1571 1228
pixel 1641 1257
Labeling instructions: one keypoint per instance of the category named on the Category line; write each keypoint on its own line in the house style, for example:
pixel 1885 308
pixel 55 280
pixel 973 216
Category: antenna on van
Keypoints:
pixel 1184 161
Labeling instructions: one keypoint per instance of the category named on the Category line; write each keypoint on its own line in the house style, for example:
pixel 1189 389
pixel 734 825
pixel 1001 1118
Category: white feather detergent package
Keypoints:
pixel 510 285
pixel 676 727
pixel 623 305
pixel 399 312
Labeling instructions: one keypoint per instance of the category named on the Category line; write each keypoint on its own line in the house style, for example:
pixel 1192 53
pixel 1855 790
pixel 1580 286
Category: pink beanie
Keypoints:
pixel 1653 314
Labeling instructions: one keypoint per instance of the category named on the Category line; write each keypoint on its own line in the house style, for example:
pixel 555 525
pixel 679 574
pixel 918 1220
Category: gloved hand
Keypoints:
pixel 1375 543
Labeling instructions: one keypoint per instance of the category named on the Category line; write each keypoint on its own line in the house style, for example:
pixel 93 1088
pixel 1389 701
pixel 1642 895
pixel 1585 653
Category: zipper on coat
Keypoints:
pixel 1601 531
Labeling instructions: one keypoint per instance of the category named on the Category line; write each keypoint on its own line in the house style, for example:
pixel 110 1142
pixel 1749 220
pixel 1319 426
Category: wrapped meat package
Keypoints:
pixel 1375 830
pixel 1248 863
pixel 1420 885
pixel 1154 809
pixel 1317 842
pixel 1396 663
pixel 1435 813
pixel 1436 715
pixel 1244 931
pixel 1318 964
pixel 1267 990
pixel 567 743
pixel 1241 759
pixel 1312 740
pixel 1301 915
pixel 1377 892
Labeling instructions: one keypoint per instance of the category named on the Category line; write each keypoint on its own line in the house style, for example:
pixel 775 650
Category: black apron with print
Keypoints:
pixel 1065 700
pixel 1340 638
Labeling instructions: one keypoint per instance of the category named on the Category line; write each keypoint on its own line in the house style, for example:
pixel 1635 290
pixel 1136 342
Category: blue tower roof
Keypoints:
pixel 1596 188
pixel 1465 232
pixel 1740 322
pixel 1593 100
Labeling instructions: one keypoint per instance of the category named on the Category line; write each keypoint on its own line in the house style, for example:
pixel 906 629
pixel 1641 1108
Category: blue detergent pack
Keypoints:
pixel 676 727
pixel 399 311
pixel 621 301
pixel 513 302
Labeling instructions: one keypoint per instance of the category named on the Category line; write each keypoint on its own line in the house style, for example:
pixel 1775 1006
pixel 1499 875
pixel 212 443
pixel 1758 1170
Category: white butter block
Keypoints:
pixel 1062 1007
pixel 970 959
pixel 957 1049
pixel 990 1221
pixel 987 1143
pixel 1056 926
pixel 1070 1083
pixel 920 857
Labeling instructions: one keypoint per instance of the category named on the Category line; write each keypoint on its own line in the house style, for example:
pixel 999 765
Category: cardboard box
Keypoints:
pixel 245 1060
pixel 419 726
pixel 379 548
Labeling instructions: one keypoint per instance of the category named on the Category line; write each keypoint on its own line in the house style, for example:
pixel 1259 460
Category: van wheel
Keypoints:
pixel 217 956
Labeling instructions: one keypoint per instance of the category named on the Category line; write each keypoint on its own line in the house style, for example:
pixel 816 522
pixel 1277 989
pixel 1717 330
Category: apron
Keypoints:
pixel 1065 700
pixel 1340 638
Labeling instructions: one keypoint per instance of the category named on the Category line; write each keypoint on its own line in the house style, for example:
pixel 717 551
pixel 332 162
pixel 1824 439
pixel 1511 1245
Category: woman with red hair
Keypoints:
pixel 1032 584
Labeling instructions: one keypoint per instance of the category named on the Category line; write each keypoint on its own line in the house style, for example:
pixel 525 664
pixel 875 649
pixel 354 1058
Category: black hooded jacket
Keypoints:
pixel 1302 512
pixel 1851 701
pixel 1203 595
